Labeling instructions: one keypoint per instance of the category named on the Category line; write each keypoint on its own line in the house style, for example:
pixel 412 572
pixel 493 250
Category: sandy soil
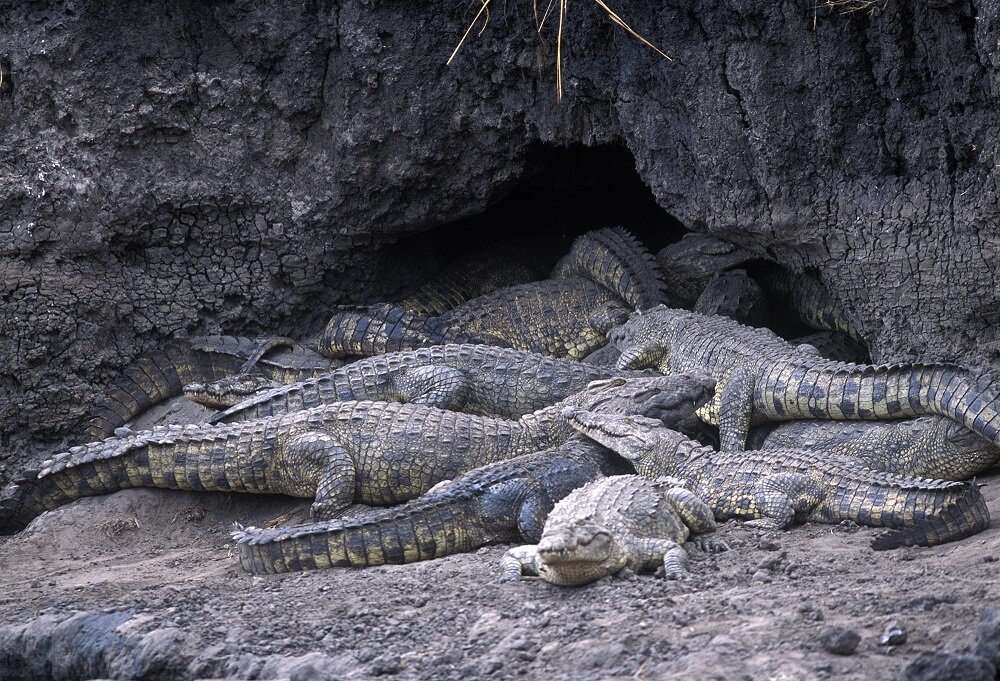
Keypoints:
pixel 754 612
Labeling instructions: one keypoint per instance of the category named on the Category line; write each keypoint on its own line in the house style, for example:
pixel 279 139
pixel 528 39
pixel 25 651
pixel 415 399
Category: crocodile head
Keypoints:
pixel 571 554
pixel 669 399
pixel 654 450
pixel 228 391
pixel 644 340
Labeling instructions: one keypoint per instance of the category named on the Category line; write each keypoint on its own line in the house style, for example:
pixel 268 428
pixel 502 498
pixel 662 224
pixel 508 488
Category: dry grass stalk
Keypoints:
pixel 848 7
pixel 539 23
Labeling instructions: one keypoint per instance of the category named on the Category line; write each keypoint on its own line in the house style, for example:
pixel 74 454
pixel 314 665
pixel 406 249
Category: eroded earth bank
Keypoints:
pixel 178 169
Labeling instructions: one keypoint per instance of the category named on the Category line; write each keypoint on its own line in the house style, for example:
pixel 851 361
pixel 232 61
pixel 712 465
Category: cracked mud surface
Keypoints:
pixel 754 612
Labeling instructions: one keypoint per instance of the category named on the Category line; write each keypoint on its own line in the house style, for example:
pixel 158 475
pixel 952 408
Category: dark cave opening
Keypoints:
pixel 563 193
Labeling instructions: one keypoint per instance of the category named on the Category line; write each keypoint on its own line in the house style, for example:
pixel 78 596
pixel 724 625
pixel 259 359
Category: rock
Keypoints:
pixel 988 635
pixel 948 667
pixel 894 635
pixel 839 640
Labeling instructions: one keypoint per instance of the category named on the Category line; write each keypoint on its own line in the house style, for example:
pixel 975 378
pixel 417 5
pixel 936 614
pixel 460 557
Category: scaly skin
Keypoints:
pixel 736 295
pixel 762 378
pixel 376 453
pixel 613 523
pixel 501 502
pixel 555 317
pixel 567 316
pixel 775 488
pixel 814 304
pixel 159 376
pixel 494 267
pixel 926 447
pixel 690 263
pixel 476 379
pixel 616 260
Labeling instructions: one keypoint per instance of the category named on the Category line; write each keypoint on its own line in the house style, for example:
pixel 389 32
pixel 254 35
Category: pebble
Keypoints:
pixel 839 640
pixel 760 577
pixel 894 635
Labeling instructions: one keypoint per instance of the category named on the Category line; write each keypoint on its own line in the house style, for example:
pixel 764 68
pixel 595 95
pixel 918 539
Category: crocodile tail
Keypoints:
pixel 174 457
pixel 615 259
pixel 368 330
pixel 417 531
pixel 157 377
pixel 64 478
pixel 814 303
pixel 865 392
pixel 963 517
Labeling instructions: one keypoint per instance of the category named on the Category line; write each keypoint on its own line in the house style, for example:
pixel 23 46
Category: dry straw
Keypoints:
pixel 484 12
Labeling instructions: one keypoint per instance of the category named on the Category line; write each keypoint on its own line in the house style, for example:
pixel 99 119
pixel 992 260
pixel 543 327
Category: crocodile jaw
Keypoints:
pixel 571 555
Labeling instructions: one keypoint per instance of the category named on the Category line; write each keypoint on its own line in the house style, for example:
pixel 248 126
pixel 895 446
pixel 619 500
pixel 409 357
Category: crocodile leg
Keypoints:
pixel 518 562
pixel 781 496
pixel 695 513
pixel 674 561
pixel 736 410
pixel 315 460
pixel 438 386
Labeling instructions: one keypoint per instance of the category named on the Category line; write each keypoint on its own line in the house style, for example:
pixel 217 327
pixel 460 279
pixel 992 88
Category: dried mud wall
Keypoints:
pixel 173 168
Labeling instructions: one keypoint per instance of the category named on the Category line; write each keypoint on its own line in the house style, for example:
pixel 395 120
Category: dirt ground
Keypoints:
pixel 754 612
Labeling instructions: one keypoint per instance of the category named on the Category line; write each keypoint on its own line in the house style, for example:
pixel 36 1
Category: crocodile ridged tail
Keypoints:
pixel 417 532
pixel 615 259
pixel 864 392
pixel 162 375
pixel 177 457
pixel 964 517
pixel 367 330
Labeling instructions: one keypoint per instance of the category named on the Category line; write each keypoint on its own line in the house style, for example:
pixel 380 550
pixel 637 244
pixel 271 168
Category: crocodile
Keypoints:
pixel 926 447
pixel 490 268
pixel 761 377
pixel 376 453
pixel 690 263
pixel 734 294
pixel 566 316
pixel 613 523
pixel 737 295
pixel 775 488
pixel 812 302
pixel 161 375
pixel 476 379
pixel 615 259
pixel 502 502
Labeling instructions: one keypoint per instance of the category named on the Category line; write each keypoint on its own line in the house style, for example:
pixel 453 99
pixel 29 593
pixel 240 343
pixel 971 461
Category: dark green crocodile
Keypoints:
pixel 377 453
pixel 814 304
pixel 927 447
pixel 476 379
pixel 490 268
pixel 775 488
pixel 762 378
pixel 506 501
pixel 689 264
pixel 161 375
pixel 567 316
pixel 735 294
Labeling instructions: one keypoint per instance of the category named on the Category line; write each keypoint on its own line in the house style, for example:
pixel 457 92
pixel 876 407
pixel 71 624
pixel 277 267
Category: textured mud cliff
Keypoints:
pixel 171 168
